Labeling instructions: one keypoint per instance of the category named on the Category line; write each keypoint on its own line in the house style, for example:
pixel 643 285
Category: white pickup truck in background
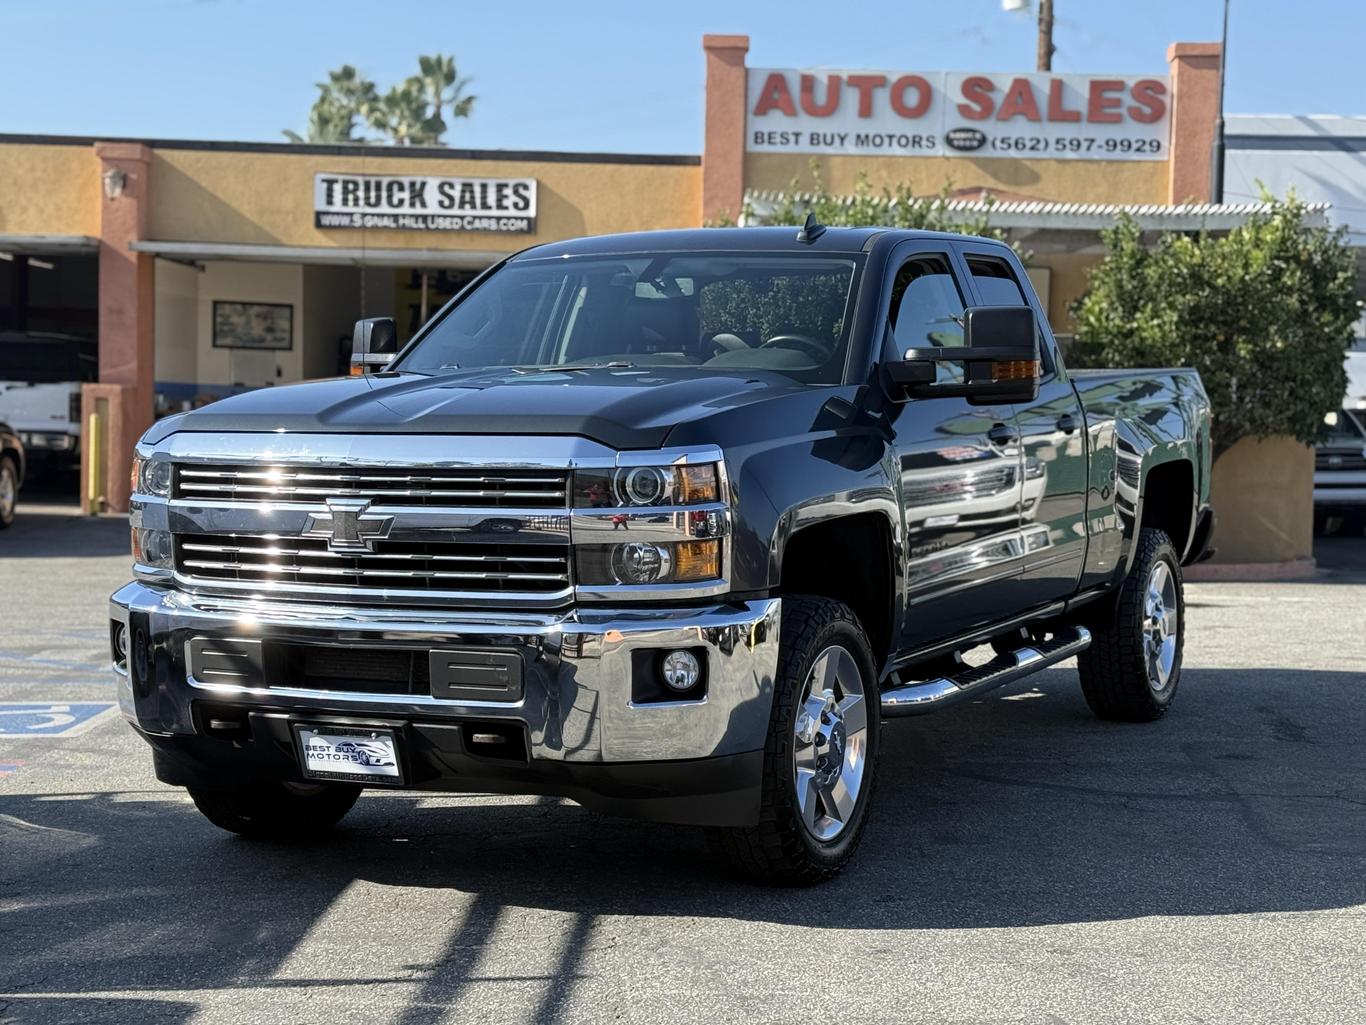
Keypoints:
pixel 1340 459
pixel 40 390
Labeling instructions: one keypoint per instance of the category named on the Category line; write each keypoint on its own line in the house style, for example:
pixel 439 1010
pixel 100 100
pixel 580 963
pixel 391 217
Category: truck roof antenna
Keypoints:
pixel 811 230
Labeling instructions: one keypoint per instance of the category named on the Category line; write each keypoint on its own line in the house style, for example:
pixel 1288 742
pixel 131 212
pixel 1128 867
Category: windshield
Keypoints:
pixel 764 311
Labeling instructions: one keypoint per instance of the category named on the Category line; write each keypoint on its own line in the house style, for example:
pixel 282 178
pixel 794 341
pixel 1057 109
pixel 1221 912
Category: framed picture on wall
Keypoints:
pixel 239 325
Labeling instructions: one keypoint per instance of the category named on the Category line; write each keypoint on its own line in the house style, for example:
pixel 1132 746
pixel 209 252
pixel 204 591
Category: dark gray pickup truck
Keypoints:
pixel 667 524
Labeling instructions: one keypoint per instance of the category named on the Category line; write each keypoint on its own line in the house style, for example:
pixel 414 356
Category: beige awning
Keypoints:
pixel 460 259
pixel 49 245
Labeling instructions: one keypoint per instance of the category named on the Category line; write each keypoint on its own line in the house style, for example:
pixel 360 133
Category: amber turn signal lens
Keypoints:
pixel 697 560
pixel 136 544
pixel 1015 370
pixel 697 484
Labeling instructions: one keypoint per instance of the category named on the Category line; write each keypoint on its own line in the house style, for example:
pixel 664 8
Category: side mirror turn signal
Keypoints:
pixel 999 359
pixel 374 344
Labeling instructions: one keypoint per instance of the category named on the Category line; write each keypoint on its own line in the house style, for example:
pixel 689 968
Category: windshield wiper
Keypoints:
pixel 616 364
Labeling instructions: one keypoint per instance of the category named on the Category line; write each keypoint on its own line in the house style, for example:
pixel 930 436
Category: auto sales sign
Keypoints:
pixel 958 114
pixel 416 202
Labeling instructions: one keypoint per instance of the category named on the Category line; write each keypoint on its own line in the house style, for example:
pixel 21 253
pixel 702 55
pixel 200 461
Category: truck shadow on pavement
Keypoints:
pixel 1019 810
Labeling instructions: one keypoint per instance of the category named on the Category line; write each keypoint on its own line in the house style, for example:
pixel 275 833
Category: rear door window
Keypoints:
pixel 996 285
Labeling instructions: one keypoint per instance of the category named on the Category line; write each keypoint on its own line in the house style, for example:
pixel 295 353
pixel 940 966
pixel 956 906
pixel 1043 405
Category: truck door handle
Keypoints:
pixel 1003 434
pixel 1067 423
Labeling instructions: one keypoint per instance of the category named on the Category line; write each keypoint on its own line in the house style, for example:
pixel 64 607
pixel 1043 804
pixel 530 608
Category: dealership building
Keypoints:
pixel 200 268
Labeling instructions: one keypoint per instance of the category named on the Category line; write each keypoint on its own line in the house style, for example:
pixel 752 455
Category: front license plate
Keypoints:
pixel 359 754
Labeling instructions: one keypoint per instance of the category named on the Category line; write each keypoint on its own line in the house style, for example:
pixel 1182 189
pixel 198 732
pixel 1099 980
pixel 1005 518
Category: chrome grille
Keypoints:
pixel 463 488
pixel 1340 460
pixel 398 565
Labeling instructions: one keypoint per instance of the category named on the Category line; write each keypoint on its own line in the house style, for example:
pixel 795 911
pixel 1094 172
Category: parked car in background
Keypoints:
pixel 40 390
pixel 12 467
pixel 1340 461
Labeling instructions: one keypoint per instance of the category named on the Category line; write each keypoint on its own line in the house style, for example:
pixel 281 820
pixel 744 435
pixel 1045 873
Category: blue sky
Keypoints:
pixel 607 75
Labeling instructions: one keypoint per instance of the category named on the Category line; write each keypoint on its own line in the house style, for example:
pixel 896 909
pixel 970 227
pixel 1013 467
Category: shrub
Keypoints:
pixel 1264 312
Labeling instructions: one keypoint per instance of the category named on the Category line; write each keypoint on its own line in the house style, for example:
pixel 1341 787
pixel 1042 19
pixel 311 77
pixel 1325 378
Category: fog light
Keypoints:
pixel 680 670
pixel 121 645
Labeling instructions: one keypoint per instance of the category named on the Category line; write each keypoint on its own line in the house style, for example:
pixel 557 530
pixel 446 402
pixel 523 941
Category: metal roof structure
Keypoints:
pixel 1048 215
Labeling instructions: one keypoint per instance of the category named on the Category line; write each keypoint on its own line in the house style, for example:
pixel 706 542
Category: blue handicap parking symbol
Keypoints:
pixel 42 719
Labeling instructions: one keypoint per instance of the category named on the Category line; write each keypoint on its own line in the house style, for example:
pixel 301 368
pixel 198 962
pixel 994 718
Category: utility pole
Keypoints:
pixel 1045 35
pixel 1216 164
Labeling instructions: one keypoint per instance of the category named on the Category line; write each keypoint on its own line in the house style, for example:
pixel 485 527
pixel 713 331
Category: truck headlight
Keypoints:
pixel 643 562
pixel 153 548
pixel 151 476
pixel 637 486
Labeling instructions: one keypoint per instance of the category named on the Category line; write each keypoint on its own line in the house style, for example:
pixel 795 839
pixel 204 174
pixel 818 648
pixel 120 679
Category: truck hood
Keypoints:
pixel 624 408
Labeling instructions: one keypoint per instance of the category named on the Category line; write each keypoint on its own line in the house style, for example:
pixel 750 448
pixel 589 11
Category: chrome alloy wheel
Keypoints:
pixel 1160 625
pixel 9 490
pixel 831 743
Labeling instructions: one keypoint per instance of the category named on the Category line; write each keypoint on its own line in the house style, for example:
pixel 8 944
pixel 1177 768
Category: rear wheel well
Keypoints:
pixel 848 560
pixel 1169 502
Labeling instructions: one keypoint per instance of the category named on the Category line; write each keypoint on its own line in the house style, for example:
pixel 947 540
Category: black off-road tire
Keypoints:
pixel 1114 669
pixel 277 811
pixel 11 471
pixel 779 850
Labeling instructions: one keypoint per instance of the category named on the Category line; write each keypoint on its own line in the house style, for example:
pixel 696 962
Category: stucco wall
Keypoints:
pixel 1068 279
pixel 1078 181
pixel 49 190
pixel 249 282
pixel 177 322
pixel 1263 492
pixel 267 198
pixel 331 307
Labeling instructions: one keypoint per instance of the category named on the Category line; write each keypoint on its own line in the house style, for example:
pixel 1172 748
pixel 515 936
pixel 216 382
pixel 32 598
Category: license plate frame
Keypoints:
pixel 378 742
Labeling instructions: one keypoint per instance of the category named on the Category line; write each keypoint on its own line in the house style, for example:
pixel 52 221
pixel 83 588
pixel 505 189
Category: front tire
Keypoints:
pixel 277 811
pixel 820 759
pixel 1132 668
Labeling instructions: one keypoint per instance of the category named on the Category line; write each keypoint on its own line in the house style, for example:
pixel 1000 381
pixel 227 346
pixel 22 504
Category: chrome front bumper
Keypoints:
pixel 576 704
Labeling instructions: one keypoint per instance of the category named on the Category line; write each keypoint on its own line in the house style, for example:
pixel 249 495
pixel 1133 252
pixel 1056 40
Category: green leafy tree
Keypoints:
pixel 1264 312
pixel 334 114
pixel 891 207
pixel 416 112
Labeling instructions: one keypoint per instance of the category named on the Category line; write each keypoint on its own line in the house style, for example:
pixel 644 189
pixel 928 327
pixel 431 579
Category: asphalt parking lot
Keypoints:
pixel 1025 863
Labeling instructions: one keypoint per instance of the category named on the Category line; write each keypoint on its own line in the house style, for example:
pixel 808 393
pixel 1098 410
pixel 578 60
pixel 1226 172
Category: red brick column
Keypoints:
pixel 1195 108
pixel 127 309
pixel 723 153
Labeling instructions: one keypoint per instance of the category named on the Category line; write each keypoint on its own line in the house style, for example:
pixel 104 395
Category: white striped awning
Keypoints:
pixel 1045 215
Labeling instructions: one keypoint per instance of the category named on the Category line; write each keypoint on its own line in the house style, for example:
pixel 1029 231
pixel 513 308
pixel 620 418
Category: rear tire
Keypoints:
pixel 9 490
pixel 277 811
pixel 1132 668
pixel 820 759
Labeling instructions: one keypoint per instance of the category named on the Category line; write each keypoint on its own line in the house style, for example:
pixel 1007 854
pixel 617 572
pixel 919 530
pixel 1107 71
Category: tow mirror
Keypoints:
pixel 374 343
pixel 999 359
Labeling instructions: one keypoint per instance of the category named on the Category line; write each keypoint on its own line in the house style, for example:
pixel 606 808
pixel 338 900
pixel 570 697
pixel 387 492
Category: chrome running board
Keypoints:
pixel 929 695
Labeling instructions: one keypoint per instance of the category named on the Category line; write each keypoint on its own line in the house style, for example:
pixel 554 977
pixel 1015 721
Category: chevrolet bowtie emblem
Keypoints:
pixel 347 526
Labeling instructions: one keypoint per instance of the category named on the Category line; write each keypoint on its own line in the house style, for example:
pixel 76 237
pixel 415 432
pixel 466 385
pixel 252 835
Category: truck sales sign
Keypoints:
pixel 424 202
pixel 957 114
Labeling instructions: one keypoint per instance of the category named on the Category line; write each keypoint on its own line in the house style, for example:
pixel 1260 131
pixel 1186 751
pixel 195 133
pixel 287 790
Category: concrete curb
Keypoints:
pixel 1216 572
